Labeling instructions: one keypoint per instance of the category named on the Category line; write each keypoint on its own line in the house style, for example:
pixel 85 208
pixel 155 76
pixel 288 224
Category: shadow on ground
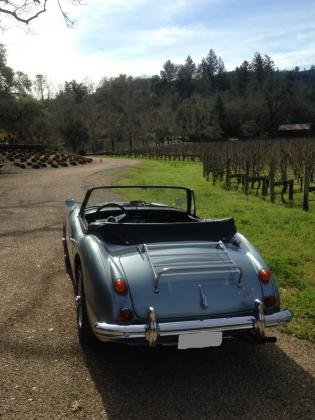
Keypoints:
pixel 235 381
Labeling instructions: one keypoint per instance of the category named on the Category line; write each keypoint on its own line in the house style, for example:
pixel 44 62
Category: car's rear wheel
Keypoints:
pixel 85 333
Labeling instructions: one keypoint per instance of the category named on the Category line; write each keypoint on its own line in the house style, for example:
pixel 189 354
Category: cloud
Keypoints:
pixel 137 36
pixel 301 57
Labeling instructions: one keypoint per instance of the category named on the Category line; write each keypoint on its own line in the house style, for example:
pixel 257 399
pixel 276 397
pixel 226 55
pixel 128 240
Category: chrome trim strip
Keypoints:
pixel 168 271
pixel 203 297
pixel 114 331
pixel 74 241
pixel 185 244
pixel 191 268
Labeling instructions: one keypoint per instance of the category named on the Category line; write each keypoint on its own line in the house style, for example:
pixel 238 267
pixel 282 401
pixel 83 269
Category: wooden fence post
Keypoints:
pixel 272 181
pixel 306 186
pixel 207 167
pixel 246 177
pixel 228 174
pixel 291 190
pixel 264 189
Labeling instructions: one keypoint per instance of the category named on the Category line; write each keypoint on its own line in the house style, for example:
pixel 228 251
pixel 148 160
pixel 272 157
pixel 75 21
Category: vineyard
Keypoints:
pixel 266 168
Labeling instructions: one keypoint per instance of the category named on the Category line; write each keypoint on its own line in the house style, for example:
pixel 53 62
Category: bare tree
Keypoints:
pixel 42 88
pixel 27 10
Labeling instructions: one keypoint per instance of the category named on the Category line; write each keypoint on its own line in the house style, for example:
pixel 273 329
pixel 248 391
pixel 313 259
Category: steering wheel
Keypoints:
pixel 113 219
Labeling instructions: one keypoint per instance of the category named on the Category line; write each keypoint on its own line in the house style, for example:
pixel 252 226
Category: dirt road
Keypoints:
pixel 45 374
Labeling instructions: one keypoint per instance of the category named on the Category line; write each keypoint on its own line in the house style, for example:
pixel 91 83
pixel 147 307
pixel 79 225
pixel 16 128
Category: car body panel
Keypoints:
pixel 180 289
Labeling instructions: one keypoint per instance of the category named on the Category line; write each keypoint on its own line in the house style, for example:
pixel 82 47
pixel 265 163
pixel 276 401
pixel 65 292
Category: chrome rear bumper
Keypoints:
pixel 153 329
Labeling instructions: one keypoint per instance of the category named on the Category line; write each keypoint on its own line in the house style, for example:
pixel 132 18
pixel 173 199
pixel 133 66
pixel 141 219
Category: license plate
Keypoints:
pixel 200 340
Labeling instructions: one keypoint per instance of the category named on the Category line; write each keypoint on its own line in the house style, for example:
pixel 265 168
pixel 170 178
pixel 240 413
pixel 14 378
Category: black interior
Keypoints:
pixel 141 215
pixel 138 233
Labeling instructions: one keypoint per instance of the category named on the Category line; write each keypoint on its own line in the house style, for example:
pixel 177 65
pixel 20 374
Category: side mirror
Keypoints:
pixel 70 202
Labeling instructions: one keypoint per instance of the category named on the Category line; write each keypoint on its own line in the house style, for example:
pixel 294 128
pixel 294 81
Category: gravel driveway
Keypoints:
pixel 45 374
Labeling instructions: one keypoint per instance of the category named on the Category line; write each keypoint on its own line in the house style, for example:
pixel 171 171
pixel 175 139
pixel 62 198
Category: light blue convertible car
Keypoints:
pixel 147 270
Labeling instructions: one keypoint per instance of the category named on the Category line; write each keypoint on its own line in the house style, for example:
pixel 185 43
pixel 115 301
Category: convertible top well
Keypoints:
pixel 138 233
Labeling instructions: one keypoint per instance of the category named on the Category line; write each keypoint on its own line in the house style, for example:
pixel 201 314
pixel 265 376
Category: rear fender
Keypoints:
pixel 103 303
pixel 258 263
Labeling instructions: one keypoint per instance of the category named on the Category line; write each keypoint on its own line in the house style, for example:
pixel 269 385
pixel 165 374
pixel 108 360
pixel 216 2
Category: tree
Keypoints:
pixel 275 100
pixel 20 117
pixel 242 77
pixel 185 76
pixel 164 125
pixel 27 10
pixel 22 84
pixel 19 112
pixel 211 72
pixel 269 65
pixel 6 73
pixel 221 80
pixel 76 133
pixel 249 129
pixel 77 91
pixel 220 115
pixel 258 68
pixel 124 111
pixel 41 87
pixel 262 67
pixel 210 65
pixel 194 119
pixel 169 73
pixel 187 71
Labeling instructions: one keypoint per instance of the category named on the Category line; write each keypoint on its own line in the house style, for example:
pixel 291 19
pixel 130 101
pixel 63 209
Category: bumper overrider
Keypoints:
pixel 152 330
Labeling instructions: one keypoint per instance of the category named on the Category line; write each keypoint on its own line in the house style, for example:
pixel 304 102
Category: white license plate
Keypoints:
pixel 200 340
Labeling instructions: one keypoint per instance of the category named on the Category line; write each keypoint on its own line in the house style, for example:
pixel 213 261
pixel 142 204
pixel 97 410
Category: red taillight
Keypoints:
pixel 126 314
pixel 270 300
pixel 265 275
pixel 120 286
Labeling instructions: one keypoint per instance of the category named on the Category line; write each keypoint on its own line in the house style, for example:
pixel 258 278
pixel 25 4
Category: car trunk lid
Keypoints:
pixel 187 280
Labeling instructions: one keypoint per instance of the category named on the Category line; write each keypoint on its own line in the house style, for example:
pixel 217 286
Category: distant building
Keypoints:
pixel 295 130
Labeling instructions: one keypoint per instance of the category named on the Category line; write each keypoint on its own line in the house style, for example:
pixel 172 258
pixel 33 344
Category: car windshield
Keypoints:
pixel 139 196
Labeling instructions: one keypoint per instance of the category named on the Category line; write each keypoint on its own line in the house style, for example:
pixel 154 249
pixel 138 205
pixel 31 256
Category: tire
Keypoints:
pixel 85 333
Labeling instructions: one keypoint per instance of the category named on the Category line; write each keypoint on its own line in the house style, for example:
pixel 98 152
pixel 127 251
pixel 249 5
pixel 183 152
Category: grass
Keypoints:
pixel 284 235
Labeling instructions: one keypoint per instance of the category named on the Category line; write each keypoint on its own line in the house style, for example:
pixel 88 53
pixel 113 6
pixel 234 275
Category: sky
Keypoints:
pixel 136 37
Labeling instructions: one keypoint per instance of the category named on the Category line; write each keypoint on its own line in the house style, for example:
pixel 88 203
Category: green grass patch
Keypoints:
pixel 284 235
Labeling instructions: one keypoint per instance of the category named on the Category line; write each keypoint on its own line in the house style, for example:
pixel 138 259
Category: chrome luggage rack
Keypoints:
pixel 220 260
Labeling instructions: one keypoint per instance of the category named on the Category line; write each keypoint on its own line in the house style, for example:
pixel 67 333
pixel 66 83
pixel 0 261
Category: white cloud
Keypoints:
pixel 303 56
pixel 171 35
pixel 138 36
